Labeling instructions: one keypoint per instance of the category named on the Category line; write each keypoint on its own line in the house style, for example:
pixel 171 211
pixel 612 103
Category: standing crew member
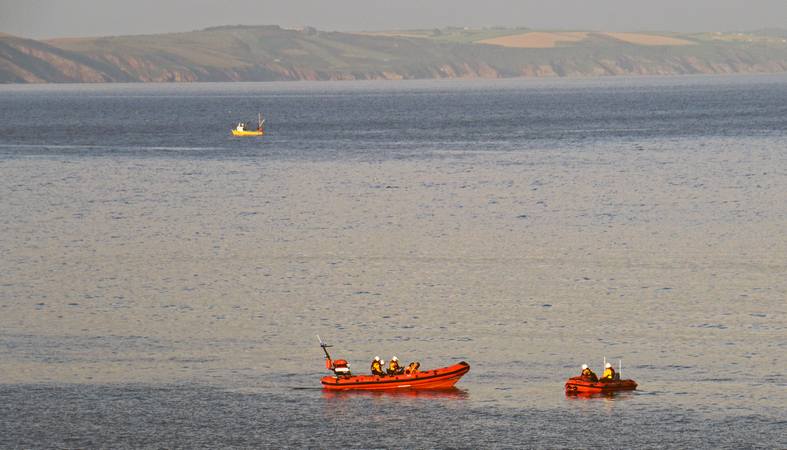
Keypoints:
pixel 588 374
pixel 609 373
pixel 377 367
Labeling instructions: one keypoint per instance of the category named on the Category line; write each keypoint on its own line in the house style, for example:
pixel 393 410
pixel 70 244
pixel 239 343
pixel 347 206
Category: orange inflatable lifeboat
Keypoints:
pixel 580 385
pixel 442 378
pixel 342 379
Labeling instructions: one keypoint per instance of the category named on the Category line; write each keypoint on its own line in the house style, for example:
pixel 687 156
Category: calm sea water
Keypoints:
pixel 161 282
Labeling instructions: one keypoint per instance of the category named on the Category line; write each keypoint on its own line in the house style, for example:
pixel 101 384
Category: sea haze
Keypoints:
pixel 161 282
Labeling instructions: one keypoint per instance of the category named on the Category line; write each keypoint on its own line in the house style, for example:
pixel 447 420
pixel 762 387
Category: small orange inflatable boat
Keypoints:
pixel 579 385
pixel 342 379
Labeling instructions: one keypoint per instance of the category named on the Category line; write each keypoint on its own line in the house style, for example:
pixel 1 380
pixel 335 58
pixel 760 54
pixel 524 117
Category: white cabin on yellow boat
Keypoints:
pixel 242 129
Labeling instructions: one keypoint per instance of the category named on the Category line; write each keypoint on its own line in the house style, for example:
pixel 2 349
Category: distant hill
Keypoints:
pixel 266 53
pixel 29 61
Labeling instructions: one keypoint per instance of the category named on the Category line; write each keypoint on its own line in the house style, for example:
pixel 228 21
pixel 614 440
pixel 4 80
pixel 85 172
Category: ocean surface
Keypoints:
pixel 162 283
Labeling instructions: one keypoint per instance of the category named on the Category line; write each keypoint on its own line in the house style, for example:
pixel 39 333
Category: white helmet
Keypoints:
pixel 394 358
pixel 376 358
pixel 607 365
pixel 584 366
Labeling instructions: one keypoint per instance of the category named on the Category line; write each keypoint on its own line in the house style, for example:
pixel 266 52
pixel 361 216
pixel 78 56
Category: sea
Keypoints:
pixel 163 283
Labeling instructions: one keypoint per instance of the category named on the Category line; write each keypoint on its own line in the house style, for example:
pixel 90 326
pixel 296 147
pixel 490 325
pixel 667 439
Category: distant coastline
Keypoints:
pixel 272 53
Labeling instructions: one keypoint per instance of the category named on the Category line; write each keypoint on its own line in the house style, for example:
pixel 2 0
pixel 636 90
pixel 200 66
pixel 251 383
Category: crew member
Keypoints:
pixel 393 367
pixel 609 373
pixel 588 374
pixel 412 368
pixel 377 367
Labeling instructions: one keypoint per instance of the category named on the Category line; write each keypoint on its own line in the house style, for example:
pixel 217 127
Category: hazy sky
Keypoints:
pixel 57 18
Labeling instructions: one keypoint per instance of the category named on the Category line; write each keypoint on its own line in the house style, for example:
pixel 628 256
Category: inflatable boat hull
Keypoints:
pixel 578 385
pixel 442 378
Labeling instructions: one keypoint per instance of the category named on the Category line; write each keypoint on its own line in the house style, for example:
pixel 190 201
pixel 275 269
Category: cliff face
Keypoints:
pixel 268 53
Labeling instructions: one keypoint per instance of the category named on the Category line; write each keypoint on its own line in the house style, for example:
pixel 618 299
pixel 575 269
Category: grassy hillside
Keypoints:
pixel 29 61
pixel 262 53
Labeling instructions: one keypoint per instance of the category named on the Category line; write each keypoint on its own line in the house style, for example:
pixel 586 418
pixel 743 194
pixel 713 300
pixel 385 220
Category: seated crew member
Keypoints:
pixel 609 373
pixel 588 374
pixel 377 367
pixel 412 368
pixel 393 367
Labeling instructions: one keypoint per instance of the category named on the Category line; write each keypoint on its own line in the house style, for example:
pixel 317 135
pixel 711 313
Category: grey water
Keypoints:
pixel 162 282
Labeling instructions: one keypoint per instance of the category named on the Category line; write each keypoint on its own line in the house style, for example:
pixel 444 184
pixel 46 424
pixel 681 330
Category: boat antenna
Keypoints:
pixel 620 366
pixel 324 347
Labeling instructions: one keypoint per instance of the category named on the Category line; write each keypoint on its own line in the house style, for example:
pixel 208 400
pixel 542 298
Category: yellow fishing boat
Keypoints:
pixel 243 129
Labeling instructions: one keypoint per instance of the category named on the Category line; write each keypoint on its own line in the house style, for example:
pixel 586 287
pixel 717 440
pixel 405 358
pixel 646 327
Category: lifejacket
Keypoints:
pixel 588 374
pixel 412 368
pixel 609 374
pixel 393 366
pixel 377 368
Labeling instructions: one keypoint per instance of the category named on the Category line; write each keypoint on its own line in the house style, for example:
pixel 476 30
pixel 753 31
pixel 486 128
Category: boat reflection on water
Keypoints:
pixel 614 395
pixel 448 393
